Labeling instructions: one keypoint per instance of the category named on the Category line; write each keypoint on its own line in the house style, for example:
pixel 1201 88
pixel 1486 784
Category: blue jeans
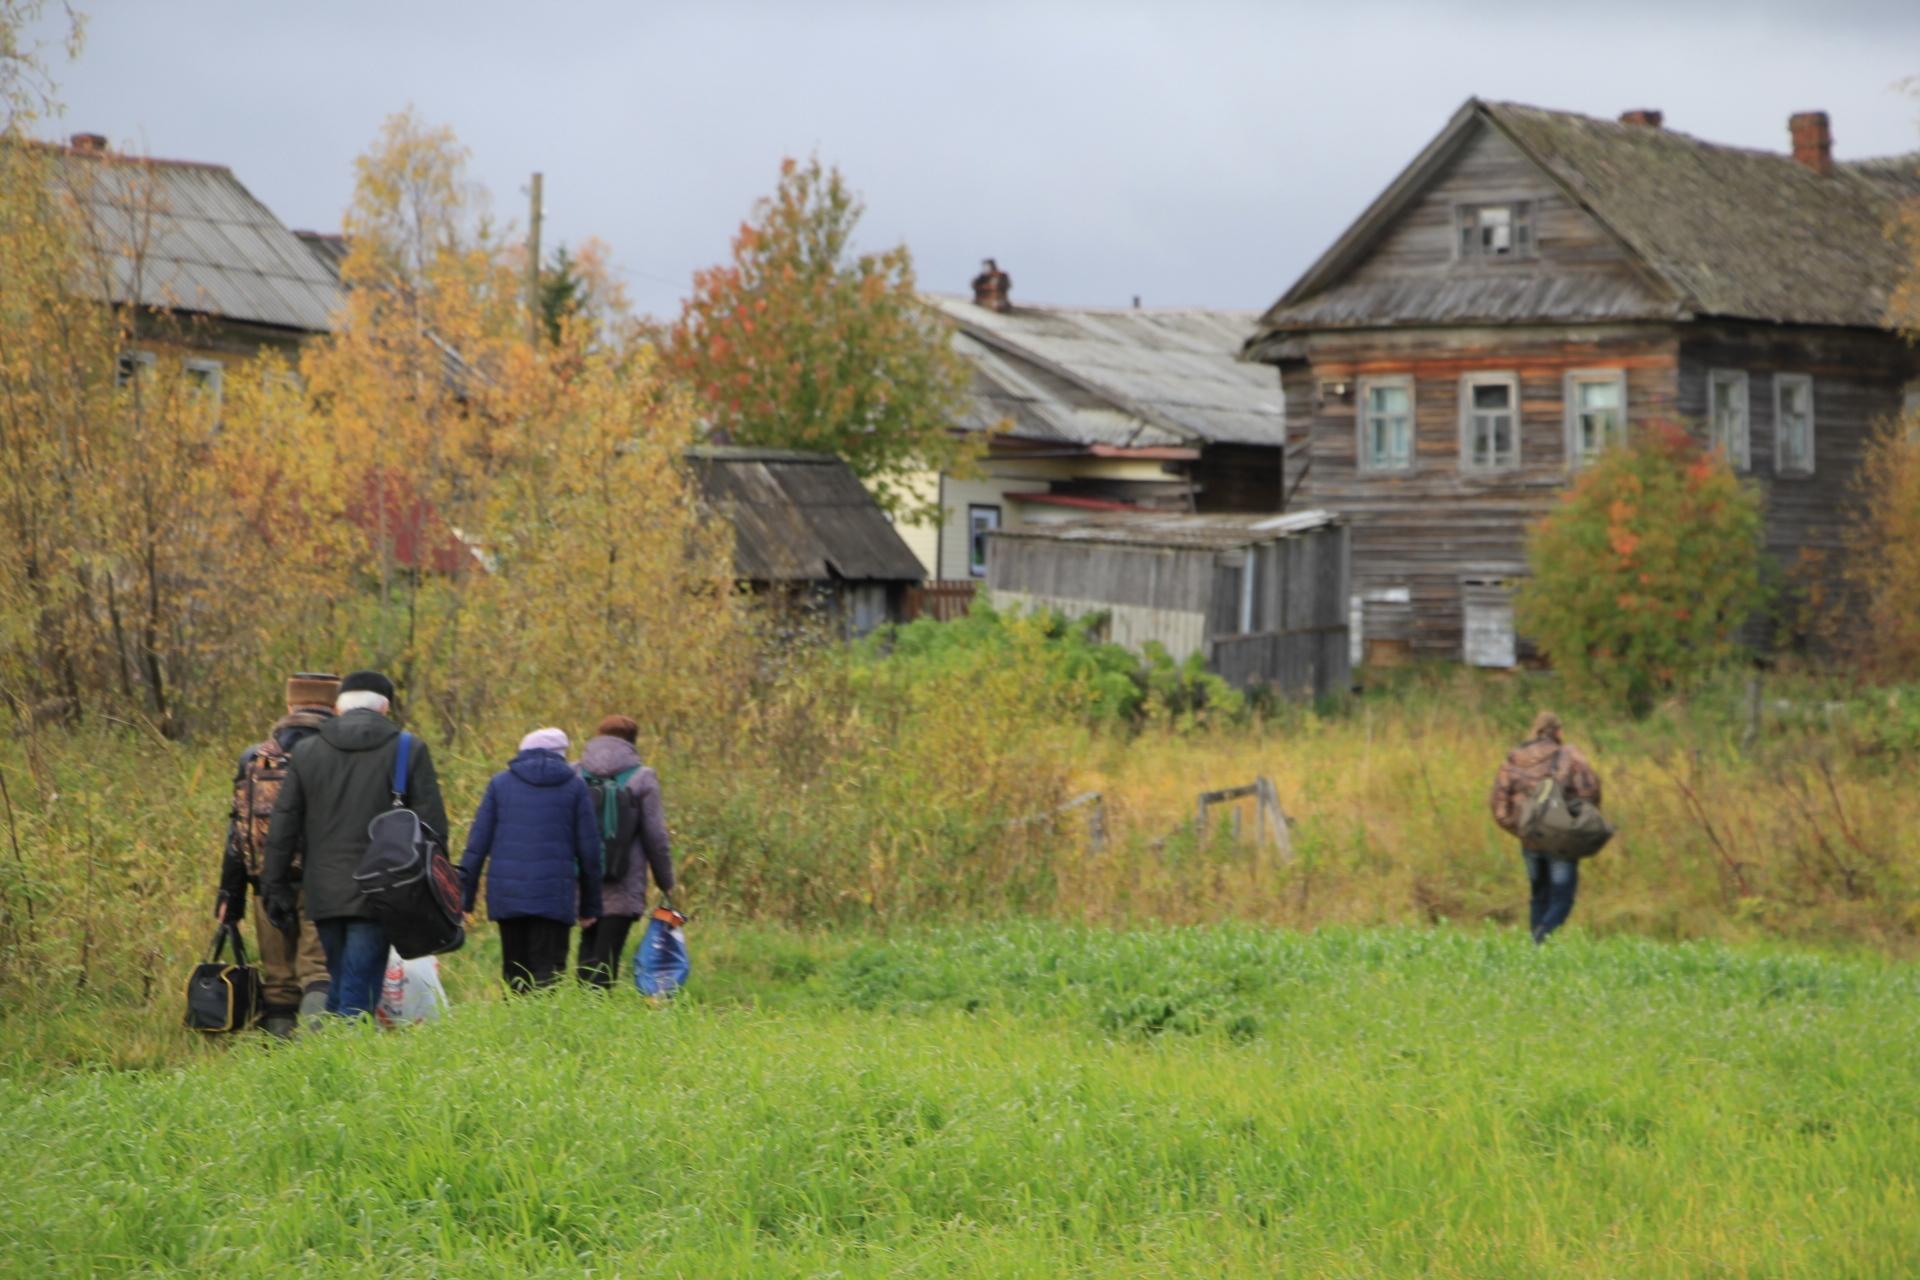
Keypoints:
pixel 356 964
pixel 1554 881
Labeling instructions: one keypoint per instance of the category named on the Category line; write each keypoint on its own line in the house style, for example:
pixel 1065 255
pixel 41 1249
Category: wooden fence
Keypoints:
pixel 942 600
pixel 1312 662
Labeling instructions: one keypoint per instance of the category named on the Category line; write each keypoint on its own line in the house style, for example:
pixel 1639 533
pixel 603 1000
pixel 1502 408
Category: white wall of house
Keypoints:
pixel 945 548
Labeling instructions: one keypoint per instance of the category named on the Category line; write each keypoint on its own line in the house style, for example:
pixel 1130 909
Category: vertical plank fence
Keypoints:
pixel 942 600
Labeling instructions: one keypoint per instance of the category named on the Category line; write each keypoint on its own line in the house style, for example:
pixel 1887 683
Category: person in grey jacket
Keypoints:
pixel 608 754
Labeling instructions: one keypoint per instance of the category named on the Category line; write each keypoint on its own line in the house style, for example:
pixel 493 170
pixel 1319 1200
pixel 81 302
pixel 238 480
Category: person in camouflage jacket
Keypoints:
pixel 293 968
pixel 1553 881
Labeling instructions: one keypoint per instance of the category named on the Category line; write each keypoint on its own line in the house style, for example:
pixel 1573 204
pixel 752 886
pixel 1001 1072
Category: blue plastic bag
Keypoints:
pixel 660 965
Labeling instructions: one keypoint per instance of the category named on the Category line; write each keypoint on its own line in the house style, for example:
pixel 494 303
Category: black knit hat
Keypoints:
pixel 368 682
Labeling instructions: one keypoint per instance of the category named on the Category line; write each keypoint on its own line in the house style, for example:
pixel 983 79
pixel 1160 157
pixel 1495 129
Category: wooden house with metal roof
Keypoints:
pixel 201 268
pixel 1090 410
pixel 807 535
pixel 1537 285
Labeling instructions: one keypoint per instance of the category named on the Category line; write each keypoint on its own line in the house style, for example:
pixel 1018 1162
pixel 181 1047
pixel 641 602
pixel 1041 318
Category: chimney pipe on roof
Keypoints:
pixel 1812 136
pixel 1647 116
pixel 992 287
pixel 91 143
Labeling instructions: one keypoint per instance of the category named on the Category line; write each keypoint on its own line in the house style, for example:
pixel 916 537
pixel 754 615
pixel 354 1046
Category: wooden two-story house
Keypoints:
pixel 1537 285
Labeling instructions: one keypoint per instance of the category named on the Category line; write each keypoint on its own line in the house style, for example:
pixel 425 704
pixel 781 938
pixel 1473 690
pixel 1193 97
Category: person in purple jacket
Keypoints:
pixel 611 755
pixel 536 822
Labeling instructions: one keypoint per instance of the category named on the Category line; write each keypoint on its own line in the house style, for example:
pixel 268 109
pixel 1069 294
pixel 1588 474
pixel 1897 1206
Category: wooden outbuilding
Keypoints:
pixel 1264 598
pixel 808 535
pixel 1537 286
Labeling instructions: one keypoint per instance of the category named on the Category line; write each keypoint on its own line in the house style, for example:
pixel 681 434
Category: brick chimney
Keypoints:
pixel 1812 141
pixel 1647 116
pixel 993 288
pixel 91 143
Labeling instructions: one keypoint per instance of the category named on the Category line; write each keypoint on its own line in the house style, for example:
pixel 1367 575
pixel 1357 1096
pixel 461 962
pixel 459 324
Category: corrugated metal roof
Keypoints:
pixel 204 242
pixel 1127 377
pixel 1212 532
pixel 801 517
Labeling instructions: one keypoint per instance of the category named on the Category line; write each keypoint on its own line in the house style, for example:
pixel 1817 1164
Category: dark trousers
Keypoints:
pixel 1554 882
pixel 600 948
pixel 356 953
pixel 533 951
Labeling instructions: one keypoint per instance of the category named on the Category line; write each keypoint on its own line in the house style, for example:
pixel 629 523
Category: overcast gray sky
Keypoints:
pixel 1198 153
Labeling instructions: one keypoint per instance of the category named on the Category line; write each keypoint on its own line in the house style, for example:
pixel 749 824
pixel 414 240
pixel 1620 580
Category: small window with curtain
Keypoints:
pixel 1727 425
pixel 1489 422
pixel 1793 424
pixel 1494 232
pixel 1386 424
pixel 1596 413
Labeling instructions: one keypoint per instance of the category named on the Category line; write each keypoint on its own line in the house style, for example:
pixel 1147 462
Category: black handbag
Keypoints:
pixel 223 998
pixel 410 887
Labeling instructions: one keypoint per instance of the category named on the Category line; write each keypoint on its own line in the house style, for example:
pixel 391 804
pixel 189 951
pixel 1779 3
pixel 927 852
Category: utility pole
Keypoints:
pixel 533 266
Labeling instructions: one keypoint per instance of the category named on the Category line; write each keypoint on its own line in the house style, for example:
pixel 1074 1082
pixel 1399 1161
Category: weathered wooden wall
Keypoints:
pixel 1425 528
pixel 1859 380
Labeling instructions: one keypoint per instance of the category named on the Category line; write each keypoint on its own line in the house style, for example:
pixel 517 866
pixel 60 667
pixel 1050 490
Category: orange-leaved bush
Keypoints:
pixel 1643 575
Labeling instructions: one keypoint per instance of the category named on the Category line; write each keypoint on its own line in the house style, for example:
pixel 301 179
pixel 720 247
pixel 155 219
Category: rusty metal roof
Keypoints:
pixel 1209 532
pixel 800 517
pixel 1115 376
pixel 182 236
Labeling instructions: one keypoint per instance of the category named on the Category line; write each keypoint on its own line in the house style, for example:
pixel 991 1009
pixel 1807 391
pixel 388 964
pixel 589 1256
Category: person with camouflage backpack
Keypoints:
pixel 293 968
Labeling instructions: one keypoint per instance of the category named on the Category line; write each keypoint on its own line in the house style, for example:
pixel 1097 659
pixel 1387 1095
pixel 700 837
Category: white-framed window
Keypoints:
pixel 1793 424
pixel 982 519
pixel 1727 419
pixel 1494 232
pixel 1596 413
pixel 129 365
pixel 1489 422
pixel 1386 423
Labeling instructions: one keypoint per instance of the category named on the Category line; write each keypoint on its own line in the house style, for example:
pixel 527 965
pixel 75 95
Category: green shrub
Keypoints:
pixel 1645 573
pixel 1072 669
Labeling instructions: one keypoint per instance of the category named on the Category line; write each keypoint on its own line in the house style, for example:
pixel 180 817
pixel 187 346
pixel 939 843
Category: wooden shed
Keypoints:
pixel 1263 597
pixel 807 532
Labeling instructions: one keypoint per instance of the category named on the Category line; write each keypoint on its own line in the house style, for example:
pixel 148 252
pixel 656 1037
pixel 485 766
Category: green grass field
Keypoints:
pixel 1032 1100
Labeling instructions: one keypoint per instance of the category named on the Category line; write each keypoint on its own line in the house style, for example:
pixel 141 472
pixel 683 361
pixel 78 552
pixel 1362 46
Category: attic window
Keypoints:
pixel 1495 232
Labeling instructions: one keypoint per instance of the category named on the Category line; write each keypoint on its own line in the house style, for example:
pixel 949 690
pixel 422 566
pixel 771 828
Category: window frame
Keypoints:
pixel 1468 381
pixel 977 567
pixel 1363 439
pixel 1523 244
pixel 1570 395
pixel 1780 382
pixel 1740 452
pixel 129 364
pixel 215 371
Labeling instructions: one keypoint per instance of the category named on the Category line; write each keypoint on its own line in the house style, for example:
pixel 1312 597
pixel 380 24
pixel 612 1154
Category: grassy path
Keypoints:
pixel 1034 1101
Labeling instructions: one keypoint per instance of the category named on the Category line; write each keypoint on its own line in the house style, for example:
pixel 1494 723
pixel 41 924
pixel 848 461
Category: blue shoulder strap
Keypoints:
pixel 400 767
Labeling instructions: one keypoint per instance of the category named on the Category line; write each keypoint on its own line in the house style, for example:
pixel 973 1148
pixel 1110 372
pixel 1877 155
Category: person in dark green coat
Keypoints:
pixel 339 780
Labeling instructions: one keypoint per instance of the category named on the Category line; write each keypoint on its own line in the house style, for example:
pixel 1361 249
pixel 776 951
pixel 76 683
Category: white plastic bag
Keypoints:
pixel 412 992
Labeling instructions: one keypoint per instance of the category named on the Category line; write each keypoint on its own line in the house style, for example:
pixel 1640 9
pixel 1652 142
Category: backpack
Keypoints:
pixel 223 998
pixel 254 792
pixel 412 890
pixel 1559 825
pixel 619 820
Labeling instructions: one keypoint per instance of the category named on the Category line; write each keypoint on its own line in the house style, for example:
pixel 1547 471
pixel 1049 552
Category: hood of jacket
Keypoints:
pixel 362 730
pixel 541 768
pixel 608 755
pixel 295 725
